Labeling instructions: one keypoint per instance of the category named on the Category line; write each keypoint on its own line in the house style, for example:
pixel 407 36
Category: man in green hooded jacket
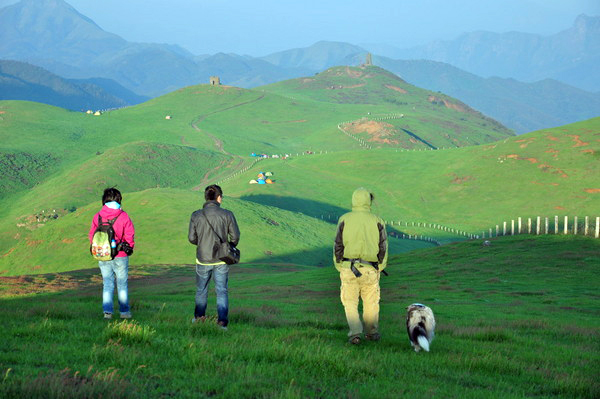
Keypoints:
pixel 360 254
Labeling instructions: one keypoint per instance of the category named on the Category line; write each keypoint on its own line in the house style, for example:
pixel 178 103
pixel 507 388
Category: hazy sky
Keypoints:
pixel 262 27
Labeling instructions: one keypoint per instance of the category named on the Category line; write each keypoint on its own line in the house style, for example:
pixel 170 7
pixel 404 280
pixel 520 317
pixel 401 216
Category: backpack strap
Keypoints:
pixel 212 228
pixel 110 223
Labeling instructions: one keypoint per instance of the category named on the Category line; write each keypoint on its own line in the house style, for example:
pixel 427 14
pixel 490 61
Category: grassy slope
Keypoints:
pixel 238 120
pixel 470 189
pixel 552 171
pixel 74 155
pixel 161 218
pixel 517 319
pixel 130 167
pixel 441 120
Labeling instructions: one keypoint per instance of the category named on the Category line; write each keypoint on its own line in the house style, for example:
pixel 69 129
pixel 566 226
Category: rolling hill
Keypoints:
pixel 544 173
pixel 159 164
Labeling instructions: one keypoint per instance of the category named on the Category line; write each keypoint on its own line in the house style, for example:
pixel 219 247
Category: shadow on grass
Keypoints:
pixel 316 209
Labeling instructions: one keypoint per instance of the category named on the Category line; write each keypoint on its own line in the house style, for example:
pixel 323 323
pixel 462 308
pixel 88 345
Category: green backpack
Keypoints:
pixel 104 246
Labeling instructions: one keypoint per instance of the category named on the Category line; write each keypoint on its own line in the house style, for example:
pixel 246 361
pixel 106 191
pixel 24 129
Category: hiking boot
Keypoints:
pixel 126 315
pixel 107 315
pixel 200 319
pixel 373 337
pixel 222 325
pixel 355 340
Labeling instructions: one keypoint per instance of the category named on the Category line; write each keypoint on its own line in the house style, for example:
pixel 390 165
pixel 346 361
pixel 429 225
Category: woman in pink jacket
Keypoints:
pixel 119 266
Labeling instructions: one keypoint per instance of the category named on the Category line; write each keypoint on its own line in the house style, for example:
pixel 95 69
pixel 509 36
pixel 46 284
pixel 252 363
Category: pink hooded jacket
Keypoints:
pixel 123 226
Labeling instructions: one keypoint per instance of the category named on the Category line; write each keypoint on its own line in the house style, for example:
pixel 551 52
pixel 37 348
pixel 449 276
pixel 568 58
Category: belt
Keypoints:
pixel 358 260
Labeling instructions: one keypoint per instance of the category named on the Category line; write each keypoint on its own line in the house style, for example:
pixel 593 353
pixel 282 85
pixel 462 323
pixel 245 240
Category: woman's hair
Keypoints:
pixel 212 192
pixel 111 194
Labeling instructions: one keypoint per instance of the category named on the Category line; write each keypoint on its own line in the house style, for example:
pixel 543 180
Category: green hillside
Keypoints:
pixel 161 217
pixel 544 173
pixel 57 162
pixel 516 319
pixel 399 111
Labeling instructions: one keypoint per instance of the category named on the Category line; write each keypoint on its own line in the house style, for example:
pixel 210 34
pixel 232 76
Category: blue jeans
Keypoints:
pixel 117 267
pixel 203 276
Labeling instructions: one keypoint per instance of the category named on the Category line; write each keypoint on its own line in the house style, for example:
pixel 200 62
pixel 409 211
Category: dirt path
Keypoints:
pixel 219 143
pixel 236 159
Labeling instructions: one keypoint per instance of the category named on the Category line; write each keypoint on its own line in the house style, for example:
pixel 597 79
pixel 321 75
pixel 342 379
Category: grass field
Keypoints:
pixel 161 218
pixel 545 173
pixel 58 161
pixel 517 319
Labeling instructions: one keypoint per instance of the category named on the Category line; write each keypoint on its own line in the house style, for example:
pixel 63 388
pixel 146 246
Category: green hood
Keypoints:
pixel 361 199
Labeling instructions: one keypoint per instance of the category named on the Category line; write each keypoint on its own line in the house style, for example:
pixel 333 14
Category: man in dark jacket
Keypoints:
pixel 206 226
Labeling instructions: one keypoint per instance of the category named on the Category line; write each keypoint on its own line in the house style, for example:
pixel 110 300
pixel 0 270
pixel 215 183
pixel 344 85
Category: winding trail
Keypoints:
pixel 218 143
pixel 237 162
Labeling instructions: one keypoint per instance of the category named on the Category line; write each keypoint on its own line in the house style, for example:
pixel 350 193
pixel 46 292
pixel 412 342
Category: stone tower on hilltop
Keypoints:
pixel 215 81
pixel 369 60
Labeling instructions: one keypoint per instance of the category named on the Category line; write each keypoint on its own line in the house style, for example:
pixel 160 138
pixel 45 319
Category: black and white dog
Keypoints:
pixel 420 325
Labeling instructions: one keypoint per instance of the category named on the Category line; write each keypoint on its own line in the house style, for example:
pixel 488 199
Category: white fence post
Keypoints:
pixel 555 224
pixel 597 227
pixel 528 225
pixel 566 230
pixel 587 226
pixel 537 226
pixel 547 226
pixel 575 225
pixel 512 227
pixel 519 231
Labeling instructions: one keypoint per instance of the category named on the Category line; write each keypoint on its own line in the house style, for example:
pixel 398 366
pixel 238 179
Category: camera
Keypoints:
pixel 125 247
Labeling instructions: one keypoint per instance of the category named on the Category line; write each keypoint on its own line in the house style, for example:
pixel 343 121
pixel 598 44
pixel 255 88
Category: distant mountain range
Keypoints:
pixel 55 36
pixel 571 56
pixel 22 81
pixel 523 107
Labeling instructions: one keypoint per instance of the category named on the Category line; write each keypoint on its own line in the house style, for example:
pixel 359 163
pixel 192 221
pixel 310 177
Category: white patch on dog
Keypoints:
pixel 420 325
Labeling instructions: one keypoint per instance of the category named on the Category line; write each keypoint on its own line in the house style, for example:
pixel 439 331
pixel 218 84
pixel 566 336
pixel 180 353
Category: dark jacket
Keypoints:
pixel 200 233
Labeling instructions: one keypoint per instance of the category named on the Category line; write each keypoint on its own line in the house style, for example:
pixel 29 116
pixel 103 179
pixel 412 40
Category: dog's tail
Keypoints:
pixel 423 342
pixel 419 336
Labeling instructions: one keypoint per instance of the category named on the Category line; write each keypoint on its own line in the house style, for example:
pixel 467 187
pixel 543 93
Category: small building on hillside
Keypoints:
pixel 215 81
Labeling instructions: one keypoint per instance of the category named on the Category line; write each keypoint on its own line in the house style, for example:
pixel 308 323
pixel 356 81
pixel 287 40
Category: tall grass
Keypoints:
pixel 516 319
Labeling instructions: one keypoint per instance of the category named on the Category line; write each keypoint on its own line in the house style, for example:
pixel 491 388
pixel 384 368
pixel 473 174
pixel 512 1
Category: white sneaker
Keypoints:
pixel 107 315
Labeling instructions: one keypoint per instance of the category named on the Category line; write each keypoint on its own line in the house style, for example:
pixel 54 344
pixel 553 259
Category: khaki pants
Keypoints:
pixel 367 288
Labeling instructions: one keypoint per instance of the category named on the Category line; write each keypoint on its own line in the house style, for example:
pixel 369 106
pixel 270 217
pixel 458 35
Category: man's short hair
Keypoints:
pixel 212 192
pixel 111 194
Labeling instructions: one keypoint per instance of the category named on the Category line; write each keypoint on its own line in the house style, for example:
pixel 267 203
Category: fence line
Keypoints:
pixel 240 171
pixel 538 226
